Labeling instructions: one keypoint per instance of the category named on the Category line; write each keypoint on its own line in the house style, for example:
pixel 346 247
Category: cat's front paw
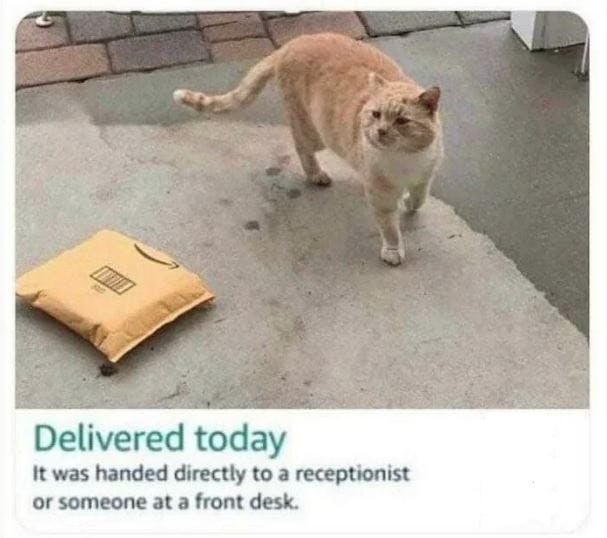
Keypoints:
pixel 321 179
pixel 392 256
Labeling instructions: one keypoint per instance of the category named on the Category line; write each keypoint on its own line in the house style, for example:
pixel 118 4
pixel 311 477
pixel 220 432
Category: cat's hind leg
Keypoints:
pixel 307 143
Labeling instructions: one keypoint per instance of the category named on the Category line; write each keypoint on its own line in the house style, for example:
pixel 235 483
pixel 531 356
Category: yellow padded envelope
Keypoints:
pixel 113 290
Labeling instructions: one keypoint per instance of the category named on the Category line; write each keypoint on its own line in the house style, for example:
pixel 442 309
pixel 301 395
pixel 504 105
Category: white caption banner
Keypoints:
pixel 463 471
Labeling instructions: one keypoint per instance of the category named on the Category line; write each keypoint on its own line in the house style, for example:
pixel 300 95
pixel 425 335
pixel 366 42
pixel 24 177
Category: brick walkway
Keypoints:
pixel 82 45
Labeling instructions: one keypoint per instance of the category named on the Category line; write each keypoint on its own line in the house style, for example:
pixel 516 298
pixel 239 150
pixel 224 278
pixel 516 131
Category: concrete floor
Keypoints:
pixel 307 315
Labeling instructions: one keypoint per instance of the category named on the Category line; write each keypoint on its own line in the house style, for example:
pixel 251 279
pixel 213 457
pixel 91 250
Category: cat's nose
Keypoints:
pixel 382 132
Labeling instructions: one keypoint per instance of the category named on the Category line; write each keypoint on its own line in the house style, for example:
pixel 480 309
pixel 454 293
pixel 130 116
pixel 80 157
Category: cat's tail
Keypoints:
pixel 245 93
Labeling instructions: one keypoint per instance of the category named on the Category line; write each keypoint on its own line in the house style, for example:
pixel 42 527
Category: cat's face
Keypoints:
pixel 393 120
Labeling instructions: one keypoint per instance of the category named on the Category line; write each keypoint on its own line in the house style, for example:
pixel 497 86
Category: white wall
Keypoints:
pixel 548 30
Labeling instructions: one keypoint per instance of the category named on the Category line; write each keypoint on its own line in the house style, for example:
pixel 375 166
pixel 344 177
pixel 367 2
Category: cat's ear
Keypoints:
pixel 430 98
pixel 376 82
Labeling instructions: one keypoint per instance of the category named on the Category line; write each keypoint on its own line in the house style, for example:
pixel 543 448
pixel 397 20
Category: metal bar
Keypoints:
pixel 584 66
pixel 44 21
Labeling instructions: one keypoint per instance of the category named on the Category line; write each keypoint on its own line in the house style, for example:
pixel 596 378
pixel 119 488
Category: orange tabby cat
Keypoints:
pixel 349 97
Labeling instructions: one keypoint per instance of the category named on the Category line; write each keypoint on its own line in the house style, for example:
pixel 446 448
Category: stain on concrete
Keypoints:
pixel 273 171
pixel 251 225
pixel 107 370
pixel 105 195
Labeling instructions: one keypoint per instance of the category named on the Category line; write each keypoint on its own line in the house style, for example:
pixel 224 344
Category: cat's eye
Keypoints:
pixel 401 121
pixel 376 114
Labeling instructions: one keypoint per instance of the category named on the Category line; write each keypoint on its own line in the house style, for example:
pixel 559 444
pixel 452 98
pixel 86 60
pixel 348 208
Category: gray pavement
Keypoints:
pixel 306 314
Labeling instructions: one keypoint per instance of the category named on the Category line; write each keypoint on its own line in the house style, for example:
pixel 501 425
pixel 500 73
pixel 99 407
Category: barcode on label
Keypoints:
pixel 112 280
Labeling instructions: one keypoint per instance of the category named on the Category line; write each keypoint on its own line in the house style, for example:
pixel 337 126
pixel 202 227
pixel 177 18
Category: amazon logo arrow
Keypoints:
pixel 170 265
